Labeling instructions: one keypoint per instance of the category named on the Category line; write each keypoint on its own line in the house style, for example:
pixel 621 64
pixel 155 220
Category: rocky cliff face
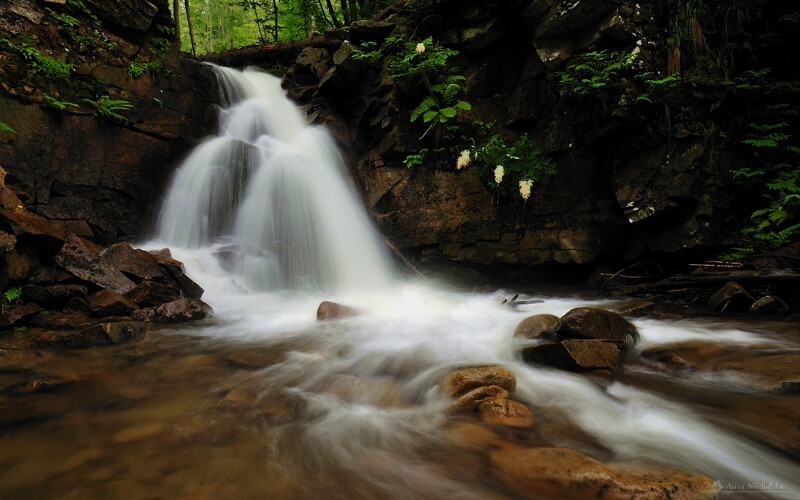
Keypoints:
pixel 643 166
pixel 101 104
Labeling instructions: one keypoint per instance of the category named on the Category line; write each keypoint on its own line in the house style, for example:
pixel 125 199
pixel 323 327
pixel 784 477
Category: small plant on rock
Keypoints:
pixel 108 108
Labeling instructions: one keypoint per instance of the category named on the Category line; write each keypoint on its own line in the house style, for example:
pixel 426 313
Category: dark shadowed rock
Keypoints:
pixel 592 323
pixel 462 381
pixel 332 310
pixel 52 295
pixel 95 335
pixel 76 257
pixel 567 474
pixel 312 60
pixel 7 242
pixel 64 320
pixel 575 355
pixel 472 399
pixel 501 411
pixel 732 297
pixel 540 326
pixel 152 294
pixel 107 303
pixel 768 304
pixel 132 262
pixel 177 276
pixel 17 315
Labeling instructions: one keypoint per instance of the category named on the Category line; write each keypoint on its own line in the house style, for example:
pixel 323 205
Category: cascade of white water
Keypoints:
pixel 270 196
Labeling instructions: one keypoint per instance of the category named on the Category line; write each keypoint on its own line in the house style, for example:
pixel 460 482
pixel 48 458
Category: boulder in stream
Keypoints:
pixel 575 355
pixel 593 323
pixel 539 326
pixel 462 381
pixel 332 310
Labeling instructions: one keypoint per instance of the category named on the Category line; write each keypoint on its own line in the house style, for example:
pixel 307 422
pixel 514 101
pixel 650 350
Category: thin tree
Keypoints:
pixel 191 26
pixel 176 14
pixel 336 23
pixel 345 12
pixel 275 26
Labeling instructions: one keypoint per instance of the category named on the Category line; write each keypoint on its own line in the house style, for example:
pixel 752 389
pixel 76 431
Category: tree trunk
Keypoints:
pixel 275 25
pixel 176 15
pixel 258 24
pixel 336 23
pixel 353 10
pixel 209 35
pixel 324 17
pixel 345 12
pixel 191 26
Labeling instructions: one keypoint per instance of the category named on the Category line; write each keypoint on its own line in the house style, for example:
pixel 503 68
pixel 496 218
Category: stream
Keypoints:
pixel 263 401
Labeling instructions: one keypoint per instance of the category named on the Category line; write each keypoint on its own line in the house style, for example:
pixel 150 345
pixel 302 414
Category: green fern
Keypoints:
pixel 107 107
pixel 6 128
pixel 52 102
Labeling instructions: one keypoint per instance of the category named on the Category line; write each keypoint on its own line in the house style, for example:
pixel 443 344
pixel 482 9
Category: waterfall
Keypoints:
pixel 270 196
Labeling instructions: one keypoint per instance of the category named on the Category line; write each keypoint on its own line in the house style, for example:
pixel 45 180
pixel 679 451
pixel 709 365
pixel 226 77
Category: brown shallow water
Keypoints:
pixel 179 415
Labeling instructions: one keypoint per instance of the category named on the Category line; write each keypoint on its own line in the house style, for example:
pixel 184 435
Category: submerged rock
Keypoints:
pixel 472 399
pixel 502 411
pixel 462 381
pixel 564 473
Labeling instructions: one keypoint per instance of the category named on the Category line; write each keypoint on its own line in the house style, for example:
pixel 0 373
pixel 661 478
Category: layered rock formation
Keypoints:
pixel 67 159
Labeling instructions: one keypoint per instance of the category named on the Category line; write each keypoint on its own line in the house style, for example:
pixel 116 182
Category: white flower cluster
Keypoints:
pixel 525 188
pixel 420 48
pixel 463 159
pixel 498 174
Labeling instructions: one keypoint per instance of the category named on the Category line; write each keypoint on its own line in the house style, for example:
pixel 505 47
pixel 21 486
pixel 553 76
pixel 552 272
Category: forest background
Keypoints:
pixel 208 26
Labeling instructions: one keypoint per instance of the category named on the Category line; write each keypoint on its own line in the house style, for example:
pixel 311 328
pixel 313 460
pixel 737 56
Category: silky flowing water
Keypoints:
pixel 264 401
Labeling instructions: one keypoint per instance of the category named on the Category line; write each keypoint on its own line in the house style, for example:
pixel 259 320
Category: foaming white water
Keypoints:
pixel 269 194
pixel 265 221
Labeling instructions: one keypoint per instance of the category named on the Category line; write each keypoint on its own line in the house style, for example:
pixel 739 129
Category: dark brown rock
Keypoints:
pixel 501 411
pixel 152 294
pixel 567 474
pixel 313 60
pixel 177 276
pixel 132 262
pixel 768 304
pixel 7 243
pixel 63 320
pixel 76 257
pixel 183 309
pixel 462 381
pixel 107 303
pixel 17 315
pixel 332 310
pixel 53 295
pixel 540 326
pixel 592 323
pixel 95 335
pixel 575 355
pixel 732 297
pixel 472 399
